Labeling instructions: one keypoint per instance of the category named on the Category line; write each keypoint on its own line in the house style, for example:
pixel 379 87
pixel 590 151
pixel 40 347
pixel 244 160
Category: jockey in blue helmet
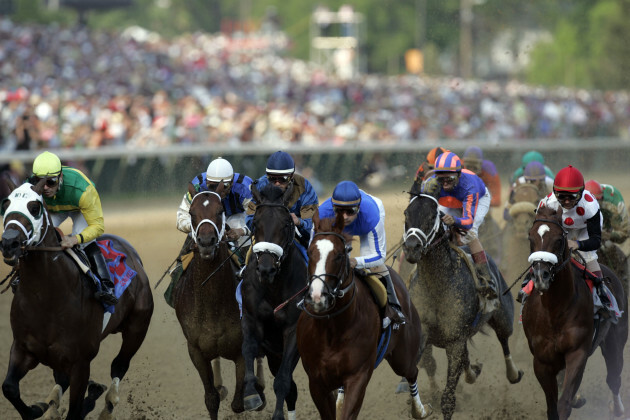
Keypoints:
pixel 303 202
pixel 364 216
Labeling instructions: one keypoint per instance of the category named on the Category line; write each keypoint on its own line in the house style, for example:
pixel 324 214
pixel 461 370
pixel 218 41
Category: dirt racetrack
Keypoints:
pixel 163 384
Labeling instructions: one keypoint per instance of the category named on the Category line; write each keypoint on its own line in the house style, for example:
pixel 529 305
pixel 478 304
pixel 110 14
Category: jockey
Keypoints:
pixel 364 216
pixel 425 167
pixel 484 169
pixel 534 174
pixel 303 202
pixel 531 156
pixel 236 198
pixel 70 194
pixel 465 201
pixel 581 217
pixel 616 226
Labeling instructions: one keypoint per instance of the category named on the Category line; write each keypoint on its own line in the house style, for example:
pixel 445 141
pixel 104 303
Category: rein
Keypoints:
pixel 232 253
pixel 280 252
pixel 555 268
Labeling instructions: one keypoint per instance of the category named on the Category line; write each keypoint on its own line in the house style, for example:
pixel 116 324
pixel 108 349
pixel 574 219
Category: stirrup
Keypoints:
pixel 106 297
pixel 239 274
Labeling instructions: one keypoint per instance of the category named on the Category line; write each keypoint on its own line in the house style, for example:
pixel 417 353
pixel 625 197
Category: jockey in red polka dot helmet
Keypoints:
pixel 581 217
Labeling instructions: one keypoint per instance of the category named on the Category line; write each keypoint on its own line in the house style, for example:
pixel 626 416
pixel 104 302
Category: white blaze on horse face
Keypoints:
pixel 206 203
pixel 325 247
pixel 542 230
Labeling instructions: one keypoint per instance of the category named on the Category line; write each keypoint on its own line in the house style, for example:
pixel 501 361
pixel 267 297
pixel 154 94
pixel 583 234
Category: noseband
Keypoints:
pixel 337 292
pixel 538 257
pixel 430 239
pixel 279 252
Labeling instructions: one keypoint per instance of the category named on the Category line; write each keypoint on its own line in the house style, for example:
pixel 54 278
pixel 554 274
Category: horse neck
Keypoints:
pixel 562 290
pixel 221 280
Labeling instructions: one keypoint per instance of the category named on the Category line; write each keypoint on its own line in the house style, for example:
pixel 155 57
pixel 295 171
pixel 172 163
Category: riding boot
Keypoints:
pixel 99 267
pixel 393 311
pixel 603 297
pixel 485 287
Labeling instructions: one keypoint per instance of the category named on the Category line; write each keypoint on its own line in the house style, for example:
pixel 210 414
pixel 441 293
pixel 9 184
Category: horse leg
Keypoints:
pixel 324 400
pixel 575 363
pixel 239 369
pixel 472 372
pixel 354 392
pixel 546 376
pixel 612 350
pixel 79 378
pixel 260 372
pixel 252 399
pixel 418 411
pixel 427 362
pixel 283 385
pixel 513 374
pixel 19 365
pixel 455 354
pixel 218 379
pixel 204 368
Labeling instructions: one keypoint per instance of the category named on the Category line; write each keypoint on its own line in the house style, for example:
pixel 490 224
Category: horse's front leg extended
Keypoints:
pixel 323 398
pixel 455 354
pixel 79 378
pixel 354 392
pixel 575 364
pixel 251 397
pixel 19 365
pixel 204 368
pixel 283 385
pixel 546 376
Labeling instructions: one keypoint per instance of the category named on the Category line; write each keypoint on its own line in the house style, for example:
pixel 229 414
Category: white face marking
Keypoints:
pixel 324 246
pixel 542 230
pixel 206 203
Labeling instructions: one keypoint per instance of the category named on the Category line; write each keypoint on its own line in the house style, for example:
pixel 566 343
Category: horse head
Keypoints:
pixel 207 218
pixel 423 225
pixel 25 217
pixel 273 229
pixel 548 246
pixel 522 214
pixel 328 264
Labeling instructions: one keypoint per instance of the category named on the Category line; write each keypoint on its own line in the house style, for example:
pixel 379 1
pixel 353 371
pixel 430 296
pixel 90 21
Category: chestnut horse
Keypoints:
pixel 339 330
pixel 274 276
pixel 558 318
pixel 444 292
pixel 208 314
pixel 55 318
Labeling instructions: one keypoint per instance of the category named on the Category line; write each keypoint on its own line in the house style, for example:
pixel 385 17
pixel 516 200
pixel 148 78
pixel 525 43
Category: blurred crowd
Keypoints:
pixel 77 88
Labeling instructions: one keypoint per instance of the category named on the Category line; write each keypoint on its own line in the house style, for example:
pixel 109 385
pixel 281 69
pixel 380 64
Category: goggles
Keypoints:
pixel 212 186
pixel 446 179
pixel 350 211
pixel 50 182
pixel 567 196
pixel 281 179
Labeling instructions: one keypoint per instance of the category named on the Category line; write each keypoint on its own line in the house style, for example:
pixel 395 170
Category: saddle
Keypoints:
pixel 376 286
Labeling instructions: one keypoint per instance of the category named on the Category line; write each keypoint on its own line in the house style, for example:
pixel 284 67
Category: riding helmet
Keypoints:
pixel 280 163
pixel 448 162
pixel 534 171
pixel 219 170
pixel 346 194
pixel 569 179
pixel 595 188
pixel 433 154
pixel 473 153
pixel 46 164
pixel 532 156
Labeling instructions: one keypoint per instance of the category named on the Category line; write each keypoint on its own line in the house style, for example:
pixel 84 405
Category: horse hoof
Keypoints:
pixel 38 409
pixel 223 392
pixel 428 410
pixel 252 402
pixel 578 401
pixel 520 376
pixel 95 390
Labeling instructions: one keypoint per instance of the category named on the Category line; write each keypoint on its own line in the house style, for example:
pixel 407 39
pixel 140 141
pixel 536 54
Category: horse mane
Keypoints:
pixel 271 193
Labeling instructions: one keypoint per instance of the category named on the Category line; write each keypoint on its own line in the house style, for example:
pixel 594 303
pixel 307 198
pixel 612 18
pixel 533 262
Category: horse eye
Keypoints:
pixel 34 208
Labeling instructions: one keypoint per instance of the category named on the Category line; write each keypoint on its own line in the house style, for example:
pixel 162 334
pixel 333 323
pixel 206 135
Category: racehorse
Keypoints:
pixel 338 332
pixel 55 318
pixel 558 318
pixel 444 292
pixel 273 277
pixel 611 255
pixel 208 313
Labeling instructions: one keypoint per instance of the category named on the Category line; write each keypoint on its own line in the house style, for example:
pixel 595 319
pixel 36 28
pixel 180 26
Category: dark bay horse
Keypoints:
pixel 55 318
pixel 274 276
pixel 339 330
pixel 208 313
pixel 558 318
pixel 444 292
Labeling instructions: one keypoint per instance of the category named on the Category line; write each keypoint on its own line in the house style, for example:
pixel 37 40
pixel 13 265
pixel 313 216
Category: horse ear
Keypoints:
pixel 220 188
pixel 10 183
pixel 39 187
pixel 315 220
pixel 431 187
pixel 191 190
pixel 338 226
pixel 287 194
pixel 255 192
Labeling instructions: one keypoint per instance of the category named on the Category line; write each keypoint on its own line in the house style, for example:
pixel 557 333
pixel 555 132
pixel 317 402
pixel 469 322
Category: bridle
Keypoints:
pixel 277 251
pixel 221 231
pixel 38 226
pixel 430 239
pixel 539 257
pixel 337 292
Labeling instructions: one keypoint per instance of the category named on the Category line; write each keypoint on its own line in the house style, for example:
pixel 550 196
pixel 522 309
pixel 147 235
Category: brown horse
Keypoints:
pixel 558 318
pixel 55 318
pixel 208 313
pixel 339 329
